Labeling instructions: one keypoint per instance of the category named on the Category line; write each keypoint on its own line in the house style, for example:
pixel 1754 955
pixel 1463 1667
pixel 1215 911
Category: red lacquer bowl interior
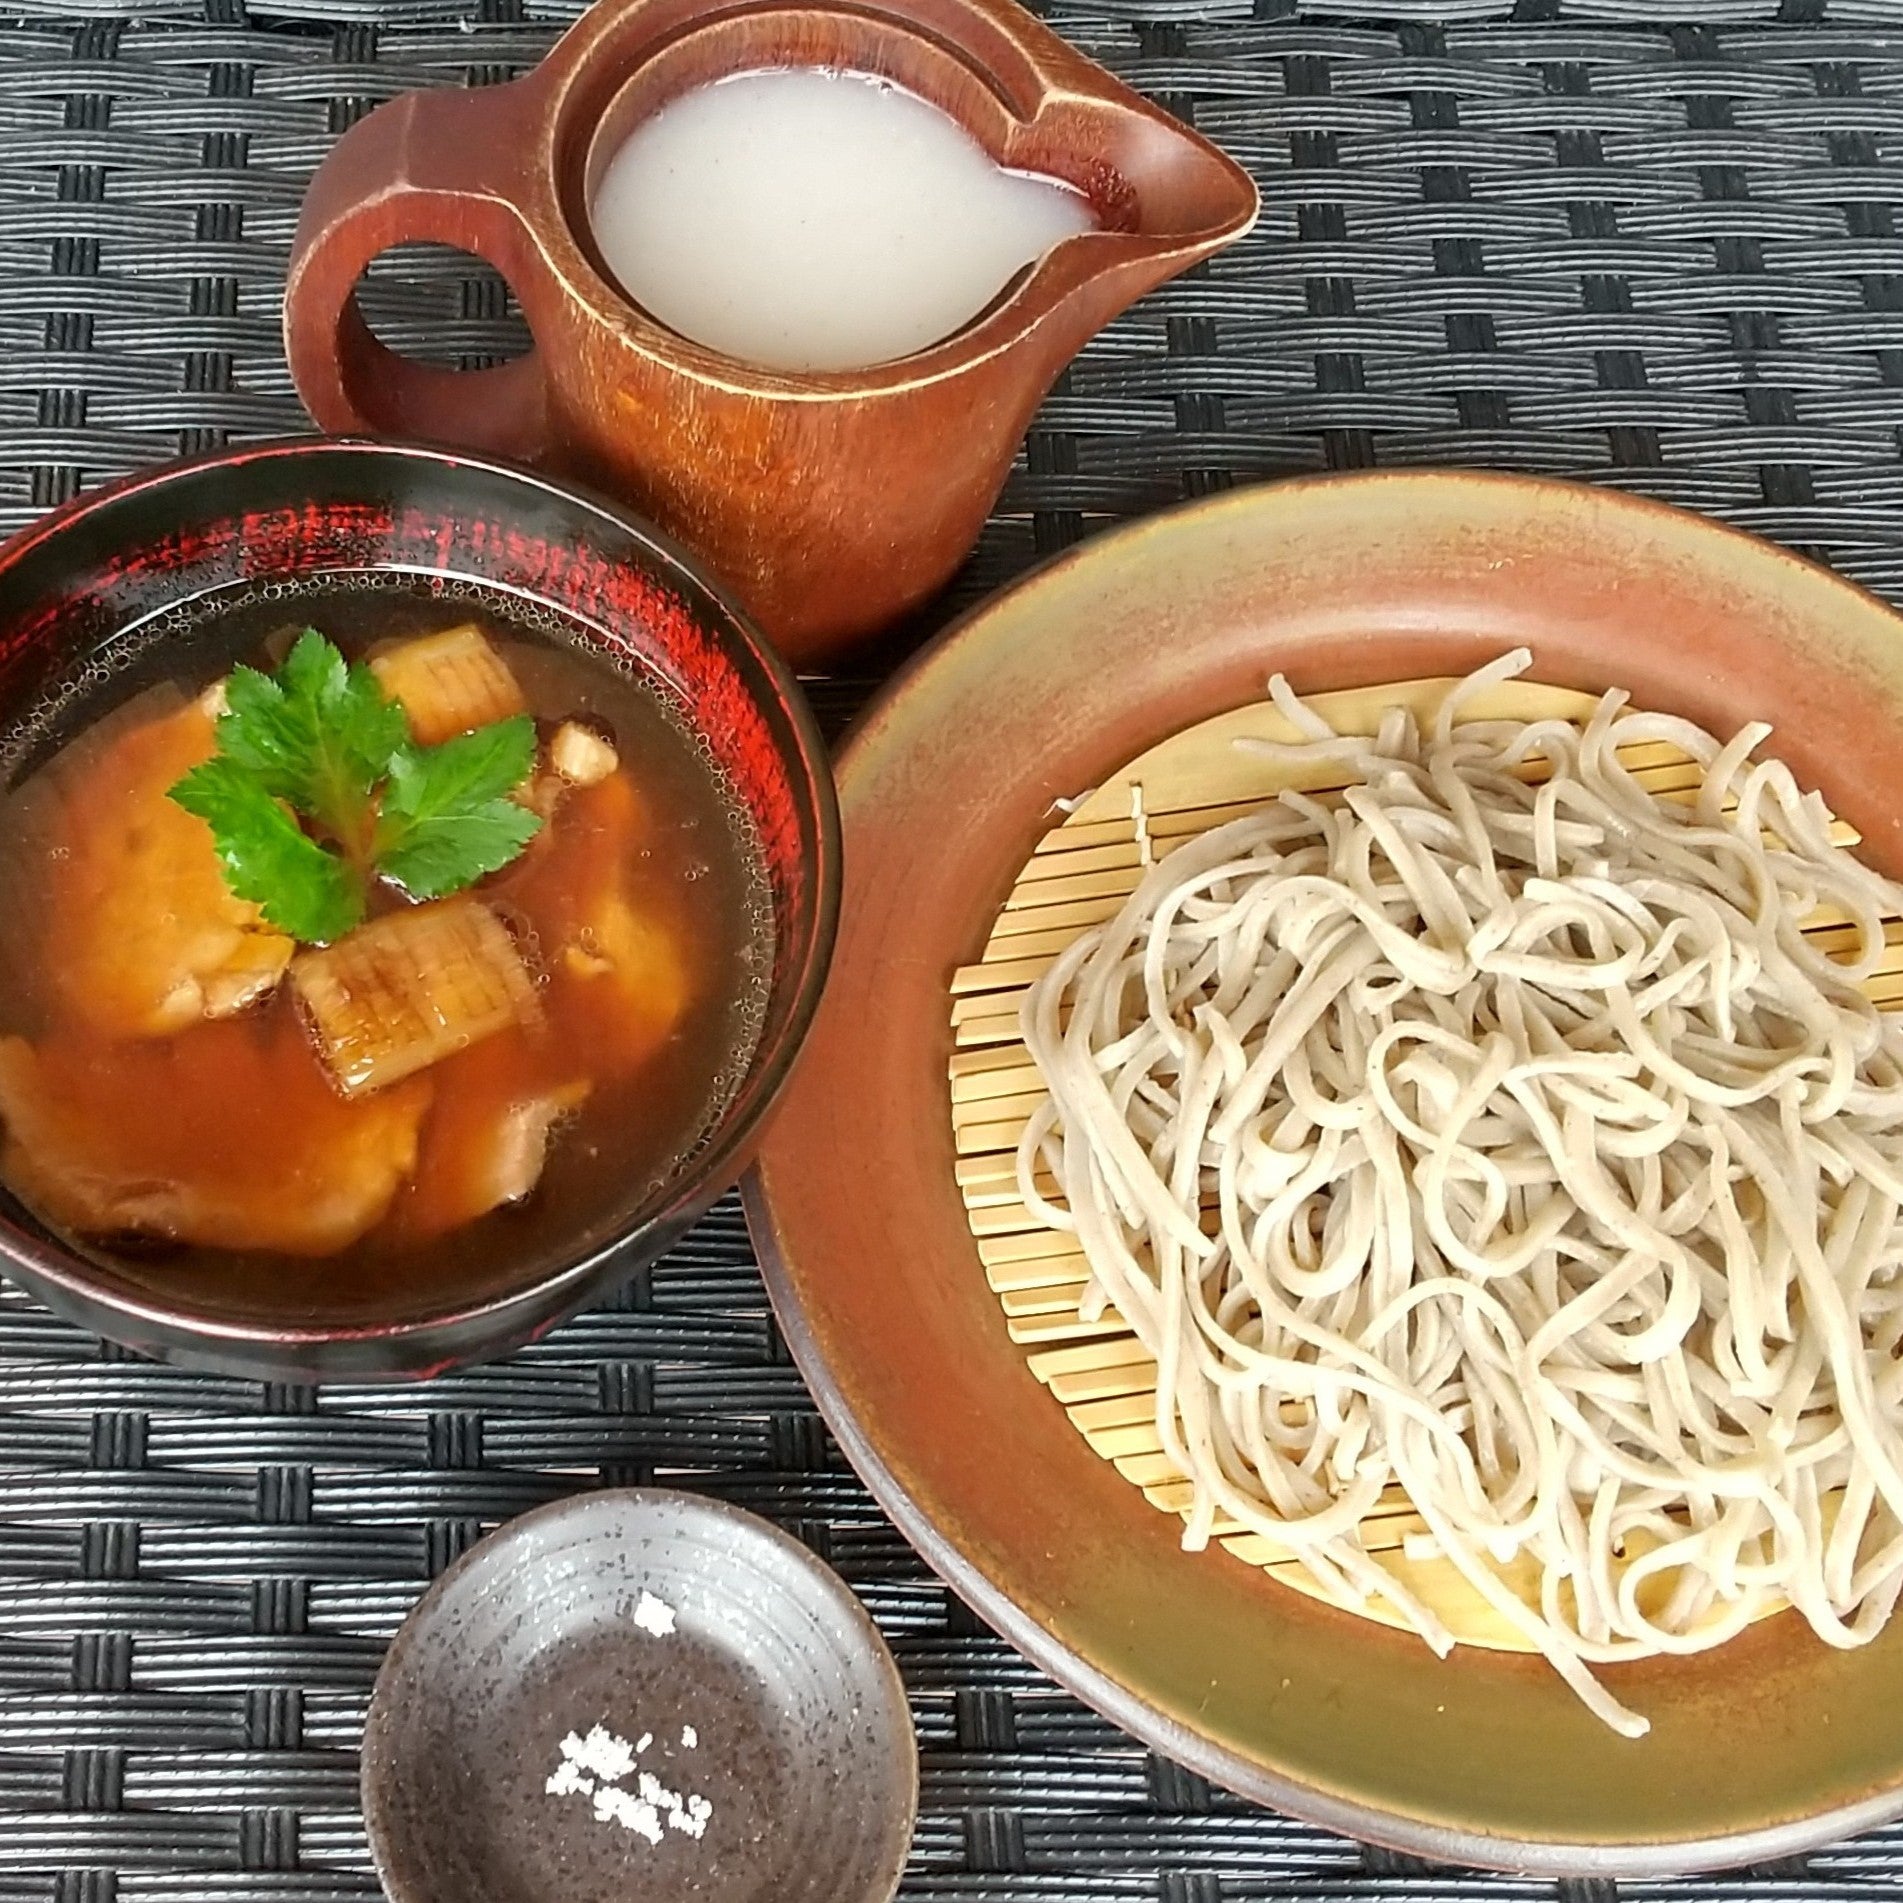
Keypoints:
pixel 92 574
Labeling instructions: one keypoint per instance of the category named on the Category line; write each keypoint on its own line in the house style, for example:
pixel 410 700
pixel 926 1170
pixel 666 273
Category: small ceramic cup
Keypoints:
pixel 831 503
pixel 639 1695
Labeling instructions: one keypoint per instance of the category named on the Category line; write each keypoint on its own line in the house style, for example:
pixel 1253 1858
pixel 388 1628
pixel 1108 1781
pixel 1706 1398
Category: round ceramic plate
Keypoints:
pixel 639 1695
pixel 1758 1749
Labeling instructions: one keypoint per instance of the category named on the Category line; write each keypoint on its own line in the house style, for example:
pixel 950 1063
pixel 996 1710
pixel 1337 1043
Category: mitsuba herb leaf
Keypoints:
pixel 316 789
pixel 318 734
pixel 301 887
pixel 446 817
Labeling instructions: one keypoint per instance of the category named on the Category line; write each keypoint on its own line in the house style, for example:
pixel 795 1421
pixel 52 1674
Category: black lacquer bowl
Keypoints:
pixel 93 575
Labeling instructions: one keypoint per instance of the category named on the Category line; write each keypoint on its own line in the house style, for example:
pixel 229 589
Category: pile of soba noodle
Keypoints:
pixel 1507 1144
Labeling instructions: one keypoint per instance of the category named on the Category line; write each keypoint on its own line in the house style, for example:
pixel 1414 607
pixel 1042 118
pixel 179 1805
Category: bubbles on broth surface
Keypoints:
pixel 193 643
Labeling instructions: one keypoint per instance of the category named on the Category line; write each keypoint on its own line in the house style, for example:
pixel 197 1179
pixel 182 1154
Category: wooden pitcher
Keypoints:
pixel 830 502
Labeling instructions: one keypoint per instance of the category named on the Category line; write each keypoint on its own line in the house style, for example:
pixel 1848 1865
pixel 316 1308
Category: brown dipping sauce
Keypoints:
pixel 245 1099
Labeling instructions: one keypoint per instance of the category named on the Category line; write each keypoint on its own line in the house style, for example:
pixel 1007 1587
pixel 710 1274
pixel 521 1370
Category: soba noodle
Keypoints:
pixel 1503 1140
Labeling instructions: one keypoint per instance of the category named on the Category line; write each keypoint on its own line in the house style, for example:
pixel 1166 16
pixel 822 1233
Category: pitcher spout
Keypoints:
pixel 1162 183
pixel 1165 198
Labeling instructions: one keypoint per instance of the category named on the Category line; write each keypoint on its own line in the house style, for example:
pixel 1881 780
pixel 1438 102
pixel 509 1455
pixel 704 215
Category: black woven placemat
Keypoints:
pixel 1649 244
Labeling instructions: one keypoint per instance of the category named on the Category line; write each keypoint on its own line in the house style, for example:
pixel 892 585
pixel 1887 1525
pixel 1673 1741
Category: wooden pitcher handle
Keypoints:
pixel 443 166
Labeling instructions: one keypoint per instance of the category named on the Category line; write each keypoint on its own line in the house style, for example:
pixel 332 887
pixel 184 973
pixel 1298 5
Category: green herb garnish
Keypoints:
pixel 317 790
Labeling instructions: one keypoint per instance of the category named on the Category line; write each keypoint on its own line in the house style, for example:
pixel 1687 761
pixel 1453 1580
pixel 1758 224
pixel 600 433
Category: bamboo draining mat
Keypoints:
pixel 1079 876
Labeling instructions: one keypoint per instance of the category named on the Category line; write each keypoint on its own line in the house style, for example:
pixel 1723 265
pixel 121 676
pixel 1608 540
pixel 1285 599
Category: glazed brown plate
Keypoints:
pixel 1760 1748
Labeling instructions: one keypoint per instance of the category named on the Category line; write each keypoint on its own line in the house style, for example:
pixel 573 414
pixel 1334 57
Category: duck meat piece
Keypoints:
pixel 485 1148
pixel 254 1149
pixel 580 755
pixel 139 932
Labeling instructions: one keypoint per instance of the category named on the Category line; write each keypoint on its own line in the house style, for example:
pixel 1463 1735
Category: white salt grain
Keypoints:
pixel 600 1752
pixel 630 1813
pixel 650 1809
pixel 682 1814
pixel 654 1615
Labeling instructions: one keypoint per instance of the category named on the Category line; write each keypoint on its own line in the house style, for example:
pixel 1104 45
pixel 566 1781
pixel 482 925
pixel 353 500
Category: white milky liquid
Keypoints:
pixel 807 220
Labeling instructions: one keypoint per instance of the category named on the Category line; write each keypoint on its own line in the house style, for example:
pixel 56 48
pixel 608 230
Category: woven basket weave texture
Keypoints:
pixel 1654 245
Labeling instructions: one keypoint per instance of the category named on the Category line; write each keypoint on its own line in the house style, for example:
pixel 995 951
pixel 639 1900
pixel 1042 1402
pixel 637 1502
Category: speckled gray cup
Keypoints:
pixel 773 1698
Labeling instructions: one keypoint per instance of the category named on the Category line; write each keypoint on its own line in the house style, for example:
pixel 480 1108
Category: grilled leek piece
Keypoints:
pixel 448 683
pixel 411 988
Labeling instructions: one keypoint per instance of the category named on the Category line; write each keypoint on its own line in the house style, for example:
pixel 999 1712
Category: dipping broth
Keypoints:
pixel 446 1092
pixel 815 220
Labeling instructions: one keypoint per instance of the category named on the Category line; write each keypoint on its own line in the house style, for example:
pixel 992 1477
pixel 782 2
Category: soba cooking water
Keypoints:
pixel 813 220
